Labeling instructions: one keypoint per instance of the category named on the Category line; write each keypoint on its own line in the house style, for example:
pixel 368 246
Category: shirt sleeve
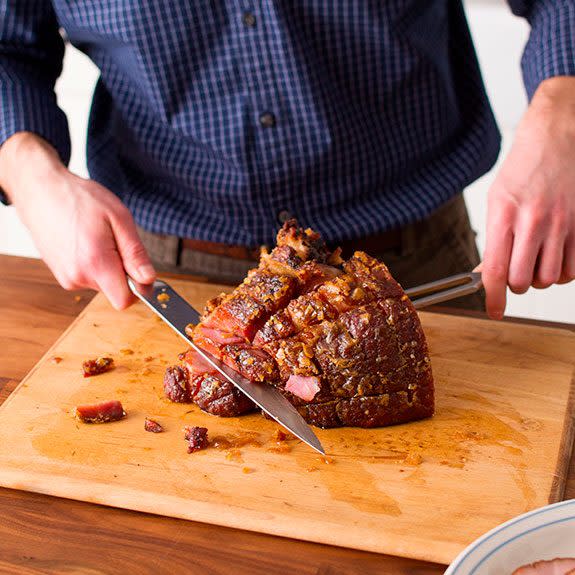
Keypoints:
pixel 550 50
pixel 31 53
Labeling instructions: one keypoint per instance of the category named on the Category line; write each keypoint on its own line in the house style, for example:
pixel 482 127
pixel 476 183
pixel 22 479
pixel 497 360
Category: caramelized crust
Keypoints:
pixel 342 337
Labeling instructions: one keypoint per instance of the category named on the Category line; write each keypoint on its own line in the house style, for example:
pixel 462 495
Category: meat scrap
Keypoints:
pixel 559 566
pixel 340 339
pixel 100 412
pixel 197 437
pixel 96 366
pixel 152 426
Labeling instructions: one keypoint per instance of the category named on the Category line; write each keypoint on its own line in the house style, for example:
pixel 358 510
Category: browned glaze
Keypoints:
pixel 282 448
pixel 234 455
pixel 341 481
pixel 468 428
pixel 236 440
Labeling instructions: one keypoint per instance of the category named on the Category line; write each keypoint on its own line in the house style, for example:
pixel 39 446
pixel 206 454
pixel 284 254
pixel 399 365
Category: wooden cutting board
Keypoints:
pixel 498 445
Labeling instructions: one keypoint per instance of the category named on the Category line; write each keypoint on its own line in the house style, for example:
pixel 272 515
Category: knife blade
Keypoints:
pixel 174 310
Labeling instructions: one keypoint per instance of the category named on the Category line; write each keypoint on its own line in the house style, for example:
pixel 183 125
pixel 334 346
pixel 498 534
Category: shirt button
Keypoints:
pixel 267 120
pixel 249 19
pixel 284 216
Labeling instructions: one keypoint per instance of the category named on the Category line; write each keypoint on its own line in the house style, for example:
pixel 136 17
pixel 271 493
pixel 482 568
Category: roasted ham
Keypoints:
pixel 339 339
pixel 560 566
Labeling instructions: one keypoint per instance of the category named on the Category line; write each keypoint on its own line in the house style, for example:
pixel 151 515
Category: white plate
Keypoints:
pixel 545 533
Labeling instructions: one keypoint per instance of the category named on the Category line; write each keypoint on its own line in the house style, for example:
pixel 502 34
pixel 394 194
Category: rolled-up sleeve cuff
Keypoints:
pixel 30 106
pixel 550 50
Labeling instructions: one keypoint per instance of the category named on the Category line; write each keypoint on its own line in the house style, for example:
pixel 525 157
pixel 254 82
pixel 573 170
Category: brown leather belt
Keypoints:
pixel 390 239
pixel 217 249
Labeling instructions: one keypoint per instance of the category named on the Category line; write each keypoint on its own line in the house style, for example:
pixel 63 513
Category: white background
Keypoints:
pixel 499 37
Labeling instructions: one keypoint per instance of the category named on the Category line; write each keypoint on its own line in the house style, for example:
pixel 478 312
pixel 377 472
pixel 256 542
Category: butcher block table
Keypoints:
pixel 42 534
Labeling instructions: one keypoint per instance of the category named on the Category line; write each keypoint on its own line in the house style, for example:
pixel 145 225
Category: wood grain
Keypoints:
pixel 41 534
pixel 386 490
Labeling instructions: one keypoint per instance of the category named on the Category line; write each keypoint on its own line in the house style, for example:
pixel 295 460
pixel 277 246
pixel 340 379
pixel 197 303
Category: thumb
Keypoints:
pixel 132 252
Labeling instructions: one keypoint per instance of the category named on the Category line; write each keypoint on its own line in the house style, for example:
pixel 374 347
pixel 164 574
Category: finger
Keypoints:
pixel 568 267
pixel 134 257
pixel 527 242
pixel 478 268
pixel 495 269
pixel 549 263
pixel 495 266
pixel 111 279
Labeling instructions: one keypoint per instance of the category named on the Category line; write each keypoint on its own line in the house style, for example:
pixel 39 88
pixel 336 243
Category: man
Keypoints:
pixel 214 122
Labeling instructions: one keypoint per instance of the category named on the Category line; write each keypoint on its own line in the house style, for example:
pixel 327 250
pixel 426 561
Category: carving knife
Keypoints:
pixel 178 313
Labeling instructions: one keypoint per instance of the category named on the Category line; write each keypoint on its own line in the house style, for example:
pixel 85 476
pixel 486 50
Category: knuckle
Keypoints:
pixel 519 287
pixel 495 271
pixel 92 258
pixel 519 282
pixel 75 278
pixel 121 301
pixel 136 251
pixel 66 283
pixel 536 219
pixel 546 278
pixel 559 217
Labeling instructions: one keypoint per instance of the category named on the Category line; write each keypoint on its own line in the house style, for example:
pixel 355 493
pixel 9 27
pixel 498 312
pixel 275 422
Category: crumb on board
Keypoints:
pixel 197 437
pixel 413 459
pixel 96 366
pixel 247 470
pixel 102 412
pixel 55 359
pixel 326 460
pixel 78 298
pixel 126 351
pixel 152 426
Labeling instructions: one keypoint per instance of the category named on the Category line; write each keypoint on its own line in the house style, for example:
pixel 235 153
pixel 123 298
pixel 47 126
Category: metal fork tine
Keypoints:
pixel 445 289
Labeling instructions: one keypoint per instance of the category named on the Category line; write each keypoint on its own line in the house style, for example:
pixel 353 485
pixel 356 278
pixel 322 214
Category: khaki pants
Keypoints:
pixel 443 245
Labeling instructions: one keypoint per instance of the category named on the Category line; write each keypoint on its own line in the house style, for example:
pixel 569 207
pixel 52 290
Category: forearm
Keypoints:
pixel 556 96
pixel 23 155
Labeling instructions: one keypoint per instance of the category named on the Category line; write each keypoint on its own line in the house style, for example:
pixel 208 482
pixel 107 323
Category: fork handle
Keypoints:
pixel 445 289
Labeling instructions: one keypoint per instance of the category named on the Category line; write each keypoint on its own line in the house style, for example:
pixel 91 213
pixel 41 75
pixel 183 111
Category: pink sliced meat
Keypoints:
pixel 100 412
pixel 559 566
pixel 305 387
pixel 196 364
pixel 218 336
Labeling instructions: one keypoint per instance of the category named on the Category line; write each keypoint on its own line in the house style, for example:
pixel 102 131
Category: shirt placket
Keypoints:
pixel 269 114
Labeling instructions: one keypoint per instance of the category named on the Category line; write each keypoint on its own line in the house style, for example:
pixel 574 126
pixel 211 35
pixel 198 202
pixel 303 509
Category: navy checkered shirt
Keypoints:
pixel 211 120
